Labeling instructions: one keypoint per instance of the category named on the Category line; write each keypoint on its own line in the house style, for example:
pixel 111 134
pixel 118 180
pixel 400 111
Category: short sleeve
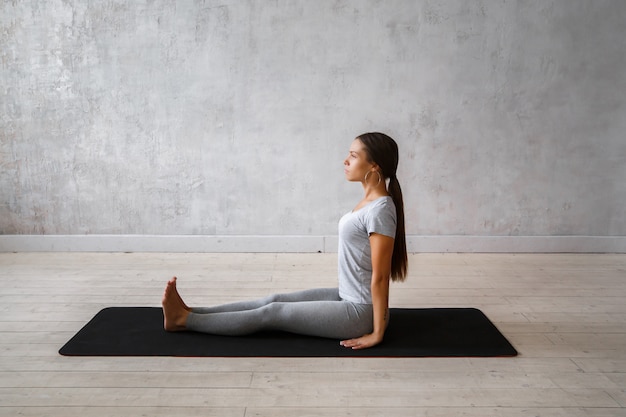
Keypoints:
pixel 381 219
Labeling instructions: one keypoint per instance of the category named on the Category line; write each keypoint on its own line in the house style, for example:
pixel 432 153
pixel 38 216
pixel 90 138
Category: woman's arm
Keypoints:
pixel 382 249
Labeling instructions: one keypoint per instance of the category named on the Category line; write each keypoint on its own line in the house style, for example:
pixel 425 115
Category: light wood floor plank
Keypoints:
pixel 435 412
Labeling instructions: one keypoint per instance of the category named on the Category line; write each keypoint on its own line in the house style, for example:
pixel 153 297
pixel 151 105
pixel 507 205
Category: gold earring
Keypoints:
pixel 380 178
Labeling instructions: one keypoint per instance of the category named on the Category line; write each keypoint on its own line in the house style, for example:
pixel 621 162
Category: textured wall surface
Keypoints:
pixel 233 117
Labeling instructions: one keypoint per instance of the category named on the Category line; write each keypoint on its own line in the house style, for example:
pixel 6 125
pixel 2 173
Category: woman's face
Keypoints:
pixel 356 164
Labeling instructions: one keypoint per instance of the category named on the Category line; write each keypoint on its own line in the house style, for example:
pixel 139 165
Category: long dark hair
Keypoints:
pixel 383 151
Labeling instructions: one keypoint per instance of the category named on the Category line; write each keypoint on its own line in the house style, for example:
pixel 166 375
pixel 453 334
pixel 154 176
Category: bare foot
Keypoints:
pixel 174 309
pixel 180 299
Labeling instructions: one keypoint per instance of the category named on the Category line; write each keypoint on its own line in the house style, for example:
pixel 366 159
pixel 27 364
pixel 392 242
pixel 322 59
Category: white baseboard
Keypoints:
pixel 305 244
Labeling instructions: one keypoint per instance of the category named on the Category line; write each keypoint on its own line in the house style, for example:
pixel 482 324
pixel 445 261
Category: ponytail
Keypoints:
pixel 399 261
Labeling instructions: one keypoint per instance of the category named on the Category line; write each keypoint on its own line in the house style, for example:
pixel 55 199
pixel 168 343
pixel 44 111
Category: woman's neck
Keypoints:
pixel 374 192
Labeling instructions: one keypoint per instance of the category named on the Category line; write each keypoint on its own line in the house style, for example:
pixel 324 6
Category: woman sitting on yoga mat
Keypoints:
pixel 372 249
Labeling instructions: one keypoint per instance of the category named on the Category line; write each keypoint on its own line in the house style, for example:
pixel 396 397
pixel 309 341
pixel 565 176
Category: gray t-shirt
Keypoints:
pixel 355 253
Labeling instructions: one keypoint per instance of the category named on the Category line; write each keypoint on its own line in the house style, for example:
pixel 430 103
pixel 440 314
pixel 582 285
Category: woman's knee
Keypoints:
pixel 289 297
pixel 276 298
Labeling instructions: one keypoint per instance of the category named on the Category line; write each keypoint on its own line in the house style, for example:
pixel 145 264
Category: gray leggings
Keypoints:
pixel 318 312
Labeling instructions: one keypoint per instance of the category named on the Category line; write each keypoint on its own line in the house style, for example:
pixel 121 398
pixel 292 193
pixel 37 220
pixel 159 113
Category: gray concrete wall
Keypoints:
pixel 233 117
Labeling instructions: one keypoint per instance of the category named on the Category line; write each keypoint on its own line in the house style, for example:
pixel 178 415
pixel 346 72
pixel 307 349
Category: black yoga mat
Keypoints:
pixel 138 331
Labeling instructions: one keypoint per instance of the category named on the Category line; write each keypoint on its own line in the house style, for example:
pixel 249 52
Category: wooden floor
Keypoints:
pixel 564 313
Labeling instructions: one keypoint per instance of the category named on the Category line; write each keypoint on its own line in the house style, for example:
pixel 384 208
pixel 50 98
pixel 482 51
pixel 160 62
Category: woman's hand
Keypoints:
pixel 362 342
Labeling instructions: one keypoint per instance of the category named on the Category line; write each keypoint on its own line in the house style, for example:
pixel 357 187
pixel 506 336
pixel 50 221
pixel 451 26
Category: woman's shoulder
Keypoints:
pixel 384 201
pixel 381 205
pixel 381 217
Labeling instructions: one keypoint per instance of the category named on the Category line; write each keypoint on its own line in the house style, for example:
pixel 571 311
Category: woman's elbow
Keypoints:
pixel 380 280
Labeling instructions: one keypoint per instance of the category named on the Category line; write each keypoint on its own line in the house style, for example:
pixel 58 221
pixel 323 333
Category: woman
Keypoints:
pixel 372 249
